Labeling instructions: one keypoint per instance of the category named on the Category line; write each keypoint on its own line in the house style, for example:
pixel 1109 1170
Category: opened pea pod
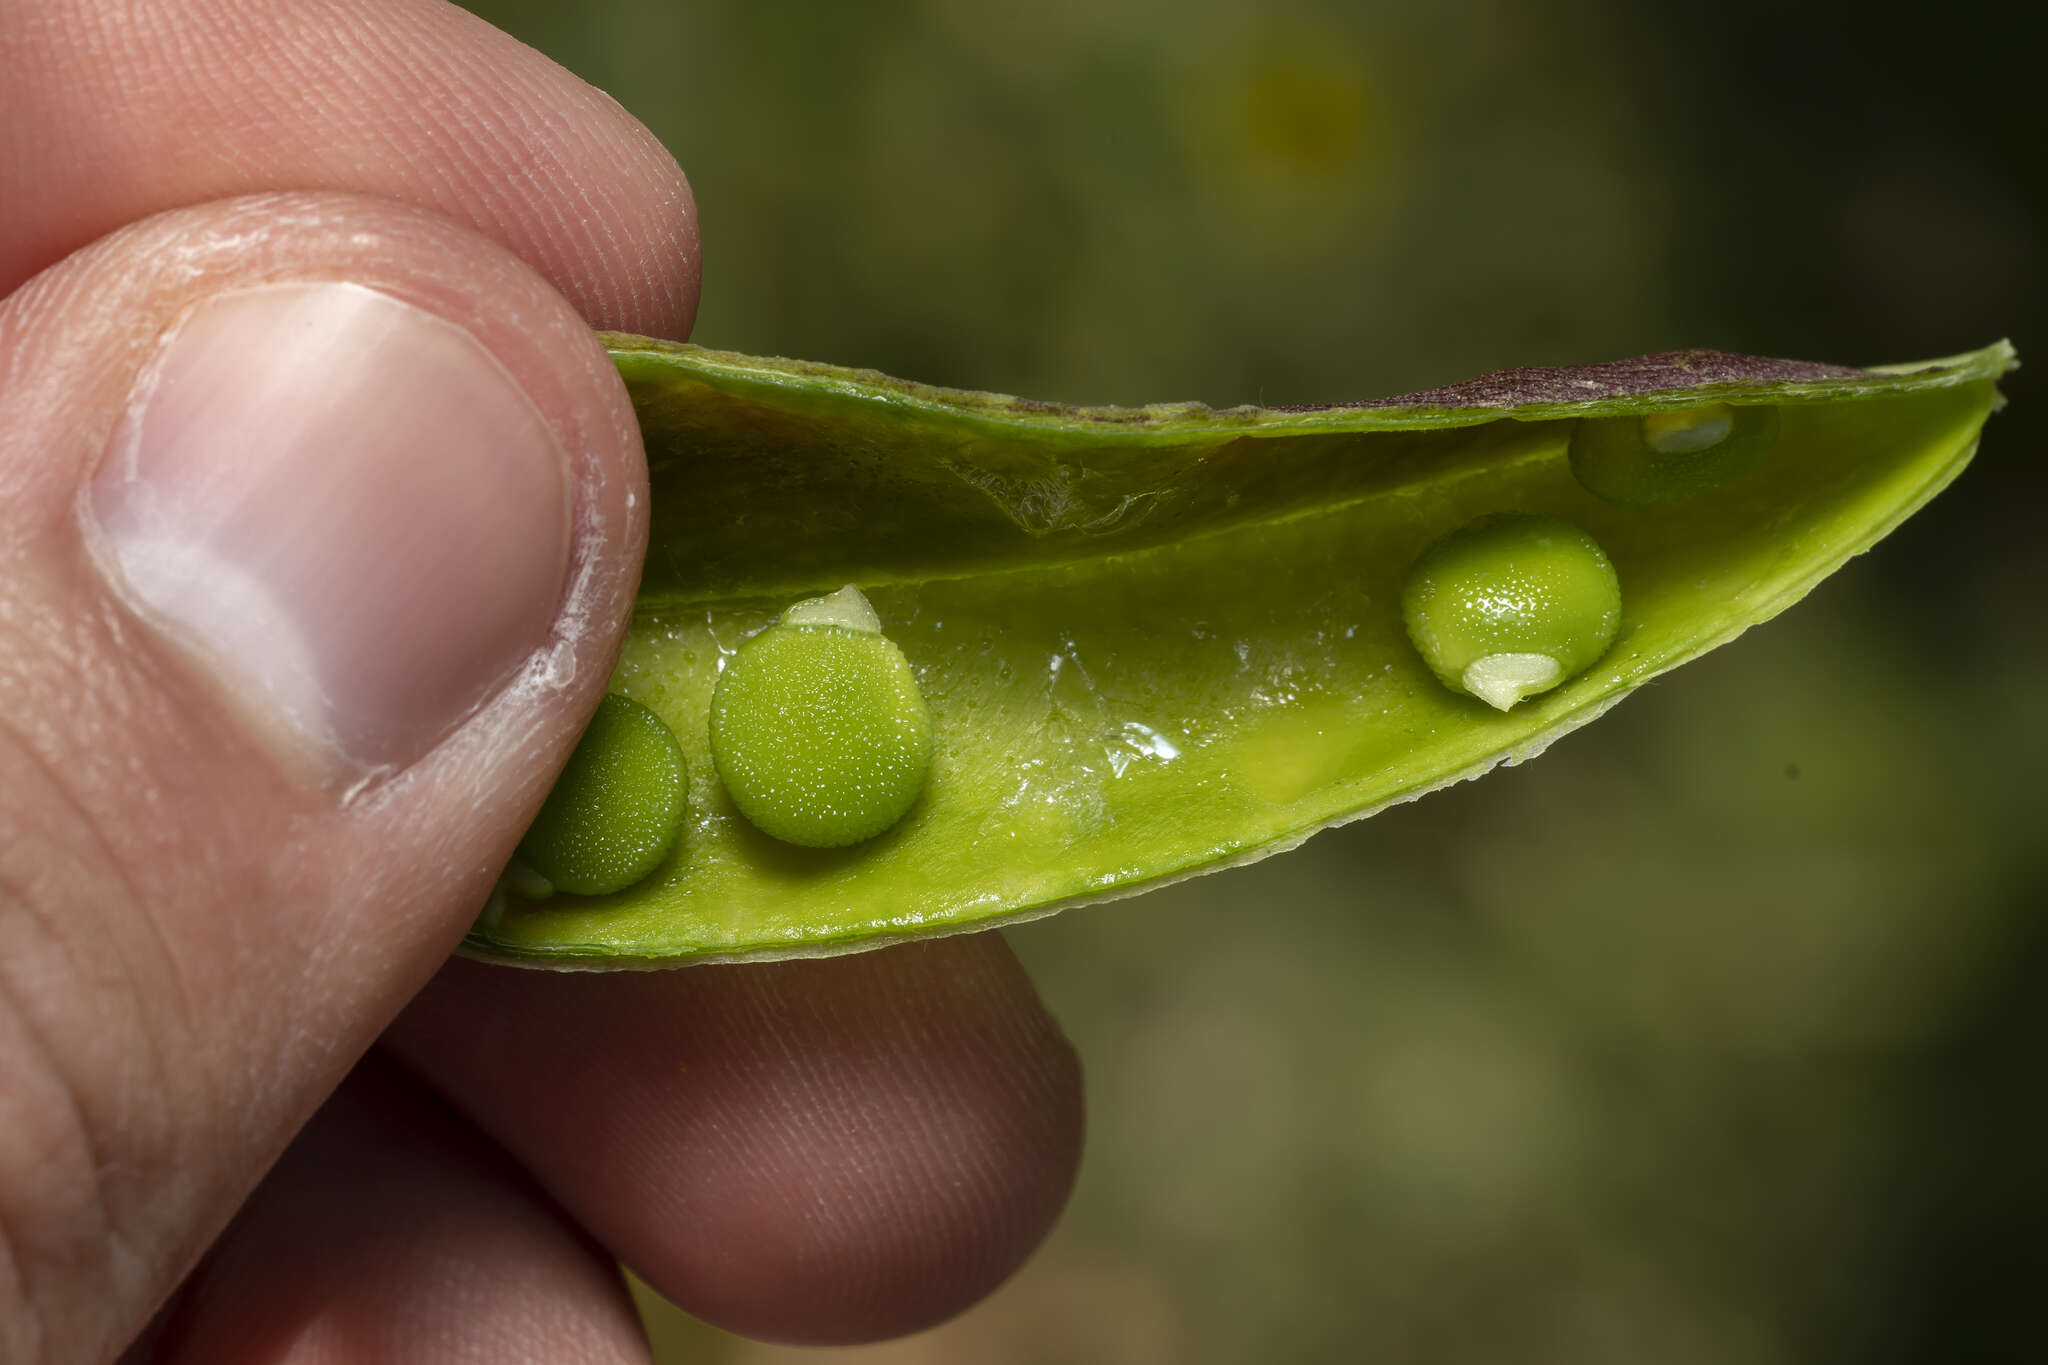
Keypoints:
pixel 1154 642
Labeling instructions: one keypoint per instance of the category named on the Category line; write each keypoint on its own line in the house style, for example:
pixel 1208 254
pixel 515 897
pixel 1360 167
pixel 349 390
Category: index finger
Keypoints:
pixel 111 113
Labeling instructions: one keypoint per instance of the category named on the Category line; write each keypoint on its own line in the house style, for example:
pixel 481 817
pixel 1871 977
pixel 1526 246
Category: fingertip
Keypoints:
pixel 813 1152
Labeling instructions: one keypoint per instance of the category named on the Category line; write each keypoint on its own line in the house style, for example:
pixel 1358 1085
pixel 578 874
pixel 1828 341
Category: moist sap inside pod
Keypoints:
pixel 1159 641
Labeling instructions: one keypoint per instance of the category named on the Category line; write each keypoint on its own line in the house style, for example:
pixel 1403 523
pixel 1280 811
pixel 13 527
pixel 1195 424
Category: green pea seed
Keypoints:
pixel 1511 606
pixel 616 809
pixel 817 727
pixel 1665 456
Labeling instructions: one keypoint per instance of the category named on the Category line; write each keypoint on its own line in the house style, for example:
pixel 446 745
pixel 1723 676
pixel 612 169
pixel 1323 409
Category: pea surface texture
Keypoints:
pixel 1511 606
pixel 617 807
pixel 1667 456
pixel 818 729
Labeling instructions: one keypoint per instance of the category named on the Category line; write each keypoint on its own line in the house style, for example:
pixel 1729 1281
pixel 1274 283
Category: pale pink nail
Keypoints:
pixel 345 503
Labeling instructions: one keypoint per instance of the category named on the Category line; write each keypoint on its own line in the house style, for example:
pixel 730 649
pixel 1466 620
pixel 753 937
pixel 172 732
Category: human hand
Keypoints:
pixel 321 513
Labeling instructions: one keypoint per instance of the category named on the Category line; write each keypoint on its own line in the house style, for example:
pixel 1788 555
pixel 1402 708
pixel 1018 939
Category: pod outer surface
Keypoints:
pixel 1160 641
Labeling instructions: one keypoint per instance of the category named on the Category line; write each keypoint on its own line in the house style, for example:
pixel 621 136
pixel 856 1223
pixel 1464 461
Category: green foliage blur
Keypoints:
pixel 1716 1035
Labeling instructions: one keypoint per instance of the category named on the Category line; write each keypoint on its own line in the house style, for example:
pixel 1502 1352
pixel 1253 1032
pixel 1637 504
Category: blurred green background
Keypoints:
pixel 1716 1035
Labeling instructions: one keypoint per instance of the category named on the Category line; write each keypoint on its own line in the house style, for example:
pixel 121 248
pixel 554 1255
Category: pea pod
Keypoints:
pixel 1161 641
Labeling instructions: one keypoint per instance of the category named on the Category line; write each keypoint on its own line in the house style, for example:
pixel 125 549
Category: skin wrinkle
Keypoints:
pixel 911 1068
pixel 808 1098
pixel 141 1055
pixel 968 1194
pixel 187 52
pixel 801 1097
pixel 429 115
pixel 966 1135
pixel 162 941
pixel 84 1214
pixel 520 155
pixel 433 115
pixel 101 855
pixel 108 712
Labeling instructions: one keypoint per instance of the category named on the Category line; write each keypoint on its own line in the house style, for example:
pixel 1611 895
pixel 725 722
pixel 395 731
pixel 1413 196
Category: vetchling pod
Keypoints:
pixel 818 730
pixel 1511 606
pixel 1155 642
pixel 1640 461
pixel 614 812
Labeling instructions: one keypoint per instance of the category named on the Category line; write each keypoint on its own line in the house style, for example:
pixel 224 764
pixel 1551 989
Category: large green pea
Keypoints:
pixel 1511 606
pixel 1664 456
pixel 616 809
pixel 817 727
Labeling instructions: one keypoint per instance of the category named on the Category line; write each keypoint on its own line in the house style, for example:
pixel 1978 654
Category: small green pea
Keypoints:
pixel 817 727
pixel 1511 606
pixel 616 809
pixel 1665 456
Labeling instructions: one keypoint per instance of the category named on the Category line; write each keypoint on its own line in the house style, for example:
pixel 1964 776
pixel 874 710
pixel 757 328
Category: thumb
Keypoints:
pixel 320 519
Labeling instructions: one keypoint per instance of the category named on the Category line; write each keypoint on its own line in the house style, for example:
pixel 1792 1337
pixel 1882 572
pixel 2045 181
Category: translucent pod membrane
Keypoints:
pixel 818 729
pixel 1668 456
pixel 1511 606
pixel 615 811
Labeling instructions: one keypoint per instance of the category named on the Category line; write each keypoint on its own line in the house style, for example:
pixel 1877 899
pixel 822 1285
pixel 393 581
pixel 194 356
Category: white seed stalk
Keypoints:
pixel 1501 680
pixel 1688 430
pixel 847 609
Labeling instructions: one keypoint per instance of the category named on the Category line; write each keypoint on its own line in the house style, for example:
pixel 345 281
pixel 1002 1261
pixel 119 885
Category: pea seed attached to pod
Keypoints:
pixel 615 811
pixel 818 730
pixel 1511 606
pixel 1665 456
pixel 1084 576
